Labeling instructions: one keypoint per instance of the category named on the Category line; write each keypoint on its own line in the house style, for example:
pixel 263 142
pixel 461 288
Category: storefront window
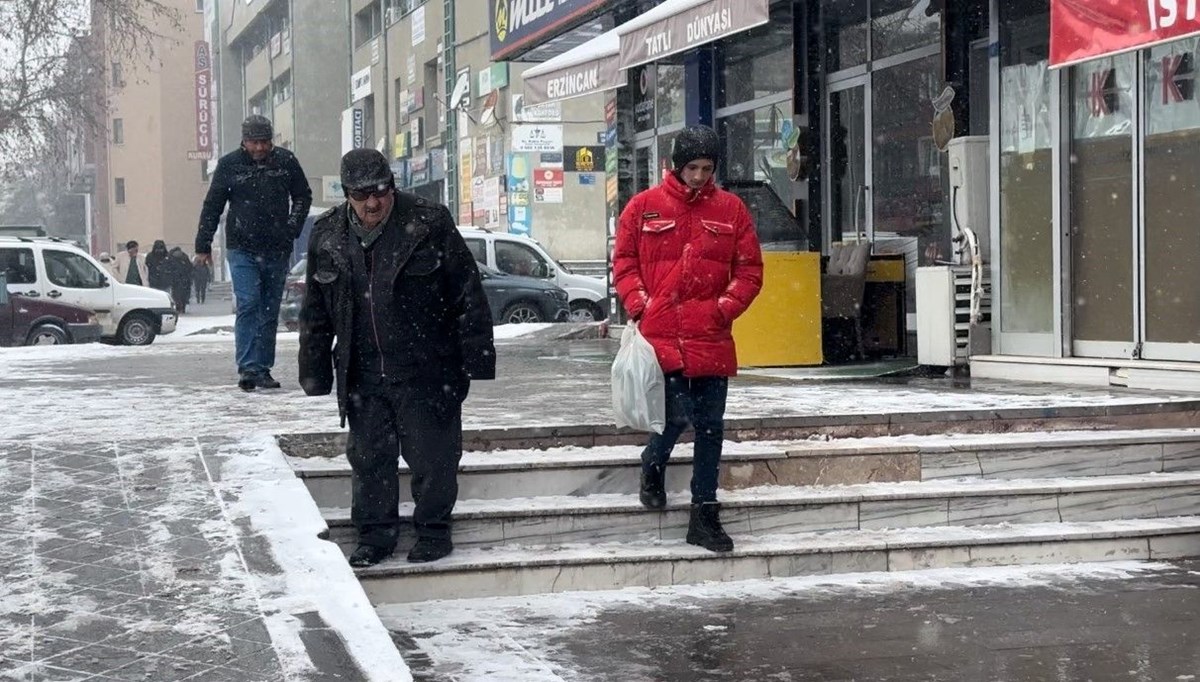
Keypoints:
pixel 669 94
pixel 844 28
pixel 1026 170
pixel 1172 193
pixel 755 165
pixel 1101 196
pixel 901 25
pixel 758 63
pixel 642 83
pixel 907 194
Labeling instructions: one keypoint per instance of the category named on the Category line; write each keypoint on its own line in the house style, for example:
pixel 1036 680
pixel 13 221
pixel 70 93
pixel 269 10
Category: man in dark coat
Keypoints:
pixel 159 264
pixel 268 197
pixel 391 280
pixel 180 271
pixel 201 276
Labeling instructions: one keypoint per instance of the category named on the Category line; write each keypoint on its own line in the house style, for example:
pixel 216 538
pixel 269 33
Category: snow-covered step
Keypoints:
pixel 774 510
pixel 578 471
pixel 479 572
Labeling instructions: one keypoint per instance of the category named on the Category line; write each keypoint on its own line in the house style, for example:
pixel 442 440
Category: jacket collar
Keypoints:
pixel 678 189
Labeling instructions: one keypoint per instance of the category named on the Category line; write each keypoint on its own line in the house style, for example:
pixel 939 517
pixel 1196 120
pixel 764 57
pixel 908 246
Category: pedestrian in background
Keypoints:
pixel 180 271
pixel 158 262
pixel 130 268
pixel 687 263
pixel 394 309
pixel 201 276
pixel 268 197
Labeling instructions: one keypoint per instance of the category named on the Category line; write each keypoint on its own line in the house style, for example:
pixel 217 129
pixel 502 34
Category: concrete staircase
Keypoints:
pixel 567 517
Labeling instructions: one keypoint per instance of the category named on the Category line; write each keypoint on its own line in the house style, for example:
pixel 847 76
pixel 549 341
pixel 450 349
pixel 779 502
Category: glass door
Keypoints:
pixel 644 165
pixel 1104 259
pixel 848 193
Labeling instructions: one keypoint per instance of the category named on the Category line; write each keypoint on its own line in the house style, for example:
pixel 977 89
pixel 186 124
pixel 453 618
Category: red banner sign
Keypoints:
pixel 203 84
pixel 1087 29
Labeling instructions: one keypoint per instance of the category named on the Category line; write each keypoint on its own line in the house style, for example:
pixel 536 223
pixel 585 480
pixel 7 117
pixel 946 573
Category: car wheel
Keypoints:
pixel 136 330
pixel 521 313
pixel 47 335
pixel 585 311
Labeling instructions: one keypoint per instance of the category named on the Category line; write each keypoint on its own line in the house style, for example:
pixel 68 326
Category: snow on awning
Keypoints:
pixel 584 70
pixel 669 28
pixel 679 25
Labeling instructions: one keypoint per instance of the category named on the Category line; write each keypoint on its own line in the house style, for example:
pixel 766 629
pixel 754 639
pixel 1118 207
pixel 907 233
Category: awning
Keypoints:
pixel 670 28
pixel 679 25
pixel 584 70
pixel 1088 29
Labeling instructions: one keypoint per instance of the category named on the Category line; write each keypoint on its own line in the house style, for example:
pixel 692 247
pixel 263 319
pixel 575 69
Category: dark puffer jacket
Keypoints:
pixel 443 328
pixel 268 203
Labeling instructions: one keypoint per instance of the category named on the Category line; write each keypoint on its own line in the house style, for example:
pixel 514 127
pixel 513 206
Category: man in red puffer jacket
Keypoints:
pixel 687 264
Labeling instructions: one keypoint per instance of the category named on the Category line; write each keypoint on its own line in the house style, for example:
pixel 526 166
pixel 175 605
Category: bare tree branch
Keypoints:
pixel 53 58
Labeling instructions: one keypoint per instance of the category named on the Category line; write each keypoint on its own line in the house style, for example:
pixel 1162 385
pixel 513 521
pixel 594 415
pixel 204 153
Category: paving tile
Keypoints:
pixel 44 672
pixel 218 648
pixel 225 674
pixel 86 627
pixel 95 658
pixel 156 669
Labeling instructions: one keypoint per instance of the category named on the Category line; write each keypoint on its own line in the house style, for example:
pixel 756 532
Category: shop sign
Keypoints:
pixel 360 84
pixel 583 159
pixel 647 40
pixel 1086 29
pixel 401 145
pixel 466 164
pixel 202 82
pixel 491 78
pixel 551 159
pixel 588 78
pixel 416 100
pixel 537 138
pixel 519 215
pixel 516 24
pixel 524 112
pixel 331 189
pixel 415 128
pixel 418 26
pixel 548 186
pixel 418 169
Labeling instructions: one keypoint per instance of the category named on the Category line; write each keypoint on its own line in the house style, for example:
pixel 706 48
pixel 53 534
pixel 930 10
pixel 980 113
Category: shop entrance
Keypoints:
pixel 1132 207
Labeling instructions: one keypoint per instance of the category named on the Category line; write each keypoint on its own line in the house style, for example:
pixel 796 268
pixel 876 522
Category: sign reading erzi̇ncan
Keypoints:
pixel 650 36
pixel 1087 29
pixel 518 24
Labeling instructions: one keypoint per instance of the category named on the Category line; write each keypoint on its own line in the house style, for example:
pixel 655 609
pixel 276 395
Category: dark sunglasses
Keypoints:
pixel 363 194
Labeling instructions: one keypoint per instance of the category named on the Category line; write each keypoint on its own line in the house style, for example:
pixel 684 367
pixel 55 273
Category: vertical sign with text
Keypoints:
pixel 203 93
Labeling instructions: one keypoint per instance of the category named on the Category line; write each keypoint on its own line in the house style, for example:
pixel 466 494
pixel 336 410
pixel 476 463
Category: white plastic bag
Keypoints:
pixel 638 390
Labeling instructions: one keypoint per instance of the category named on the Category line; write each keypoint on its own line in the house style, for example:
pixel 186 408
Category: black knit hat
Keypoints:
pixel 696 142
pixel 362 168
pixel 257 127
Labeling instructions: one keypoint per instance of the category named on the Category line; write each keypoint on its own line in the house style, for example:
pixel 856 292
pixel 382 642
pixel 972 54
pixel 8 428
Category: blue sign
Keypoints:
pixel 515 25
pixel 587 179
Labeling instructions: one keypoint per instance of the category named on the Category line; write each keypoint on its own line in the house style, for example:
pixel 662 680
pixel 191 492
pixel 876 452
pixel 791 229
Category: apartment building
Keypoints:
pixel 287 60
pixel 140 170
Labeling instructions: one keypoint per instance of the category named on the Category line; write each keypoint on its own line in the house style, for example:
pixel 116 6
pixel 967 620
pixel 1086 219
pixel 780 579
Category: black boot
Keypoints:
pixel 704 528
pixel 264 380
pixel 247 382
pixel 429 549
pixel 369 555
pixel 653 493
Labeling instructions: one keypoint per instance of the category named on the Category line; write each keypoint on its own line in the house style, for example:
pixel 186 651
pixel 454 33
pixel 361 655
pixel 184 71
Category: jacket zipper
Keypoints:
pixel 374 325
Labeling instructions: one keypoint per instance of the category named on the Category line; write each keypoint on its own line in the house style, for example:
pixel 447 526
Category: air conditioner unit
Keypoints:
pixel 949 332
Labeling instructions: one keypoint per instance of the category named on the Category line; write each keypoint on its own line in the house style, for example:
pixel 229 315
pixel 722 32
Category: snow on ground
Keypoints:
pixel 512 331
pixel 478 639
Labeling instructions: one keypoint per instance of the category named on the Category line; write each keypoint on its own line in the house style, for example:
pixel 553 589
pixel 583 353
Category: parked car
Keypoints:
pixel 515 254
pixel 31 322
pixel 48 268
pixel 511 299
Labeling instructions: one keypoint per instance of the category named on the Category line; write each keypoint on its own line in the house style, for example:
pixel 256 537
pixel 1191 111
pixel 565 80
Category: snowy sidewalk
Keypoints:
pixel 150 529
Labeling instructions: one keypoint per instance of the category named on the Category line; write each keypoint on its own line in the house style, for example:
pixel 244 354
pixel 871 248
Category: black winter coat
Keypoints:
pixel 260 219
pixel 447 327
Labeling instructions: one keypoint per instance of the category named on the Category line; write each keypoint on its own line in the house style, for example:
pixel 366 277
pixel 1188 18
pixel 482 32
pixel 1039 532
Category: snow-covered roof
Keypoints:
pixel 606 44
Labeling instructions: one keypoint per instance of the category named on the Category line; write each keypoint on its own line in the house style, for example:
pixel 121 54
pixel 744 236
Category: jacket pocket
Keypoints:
pixel 422 263
pixel 658 226
pixel 716 240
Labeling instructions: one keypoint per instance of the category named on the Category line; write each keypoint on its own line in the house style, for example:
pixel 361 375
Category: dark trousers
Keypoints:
pixel 420 422
pixel 201 291
pixel 699 401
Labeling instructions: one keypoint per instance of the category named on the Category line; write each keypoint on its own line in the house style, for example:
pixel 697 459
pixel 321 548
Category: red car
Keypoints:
pixel 28 321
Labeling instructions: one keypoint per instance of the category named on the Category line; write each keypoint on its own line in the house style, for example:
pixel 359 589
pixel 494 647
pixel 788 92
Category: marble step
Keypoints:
pixel 480 572
pixel 579 471
pixel 776 510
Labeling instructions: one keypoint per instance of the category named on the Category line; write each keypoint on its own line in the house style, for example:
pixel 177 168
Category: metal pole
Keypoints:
pixel 450 67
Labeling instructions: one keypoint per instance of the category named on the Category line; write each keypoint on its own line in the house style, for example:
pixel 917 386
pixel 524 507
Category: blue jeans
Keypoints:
pixel 258 288
pixel 699 401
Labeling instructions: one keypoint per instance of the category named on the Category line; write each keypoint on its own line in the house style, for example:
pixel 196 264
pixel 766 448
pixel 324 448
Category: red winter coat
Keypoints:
pixel 687 264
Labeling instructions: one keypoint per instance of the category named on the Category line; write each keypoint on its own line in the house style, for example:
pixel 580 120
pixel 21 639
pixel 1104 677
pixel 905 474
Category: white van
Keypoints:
pixel 59 271
pixel 516 254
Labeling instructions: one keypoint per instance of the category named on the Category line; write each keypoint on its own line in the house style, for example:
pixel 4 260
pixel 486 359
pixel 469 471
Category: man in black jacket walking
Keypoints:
pixel 391 280
pixel 268 197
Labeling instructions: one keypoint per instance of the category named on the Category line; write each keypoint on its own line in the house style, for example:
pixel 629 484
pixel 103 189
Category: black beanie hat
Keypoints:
pixel 695 142
pixel 257 127
pixel 362 168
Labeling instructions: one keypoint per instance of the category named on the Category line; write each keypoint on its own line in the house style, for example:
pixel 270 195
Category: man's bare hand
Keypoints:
pixel 205 258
